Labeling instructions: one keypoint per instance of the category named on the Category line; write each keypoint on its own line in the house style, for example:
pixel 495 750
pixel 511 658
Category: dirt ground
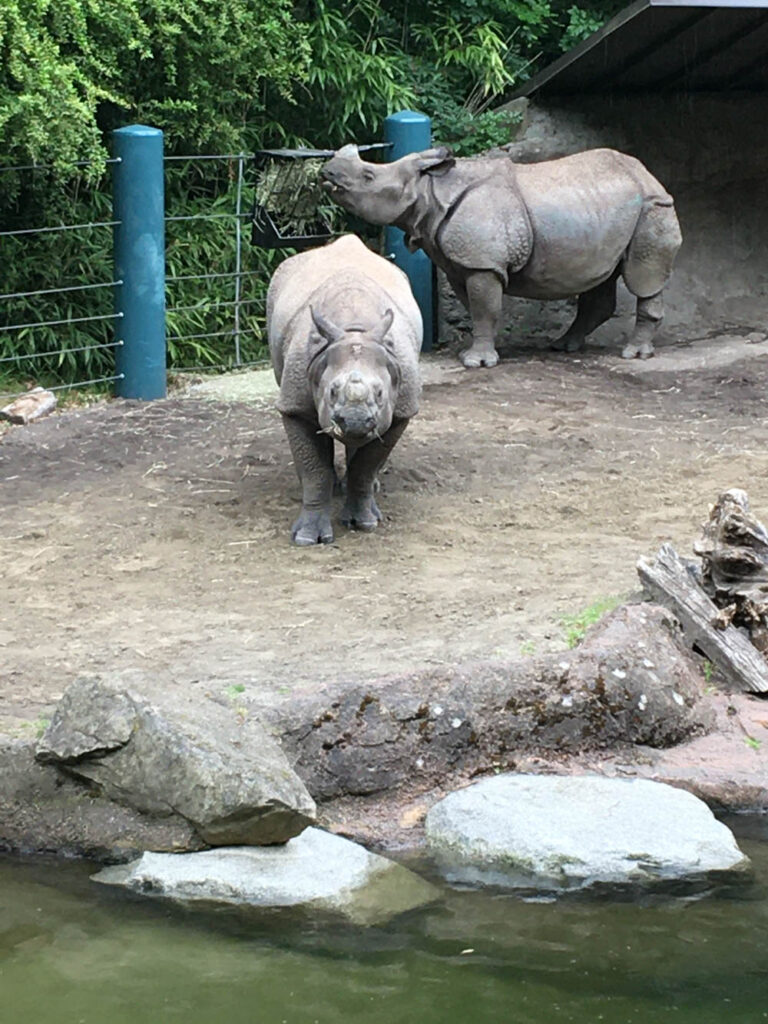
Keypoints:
pixel 154 538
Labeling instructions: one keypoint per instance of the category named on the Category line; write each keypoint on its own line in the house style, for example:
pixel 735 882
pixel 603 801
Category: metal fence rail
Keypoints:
pixel 77 345
pixel 68 321
pixel 141 331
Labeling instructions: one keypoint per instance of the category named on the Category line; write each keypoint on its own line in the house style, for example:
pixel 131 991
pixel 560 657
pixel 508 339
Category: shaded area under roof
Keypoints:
pixel 666 46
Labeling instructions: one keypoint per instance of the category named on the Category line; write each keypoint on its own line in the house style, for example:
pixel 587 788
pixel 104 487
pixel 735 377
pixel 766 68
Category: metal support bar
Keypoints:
pixel 139 240
pixel 57 291
pixel 208 216
pixel 60 227
pixel 209 277
pixel 65 387
pixel 238 255
pixel 59 352
pixel 58 323
pixel 410 132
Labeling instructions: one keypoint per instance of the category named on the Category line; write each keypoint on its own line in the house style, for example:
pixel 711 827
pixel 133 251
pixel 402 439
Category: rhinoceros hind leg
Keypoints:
pixel 650 313
pixel 479 355
pixel 484 294
pixel 650 256
pixel 594 308
pixel 646 269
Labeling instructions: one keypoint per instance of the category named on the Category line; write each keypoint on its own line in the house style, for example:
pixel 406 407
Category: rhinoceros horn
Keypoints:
pixel 356 390
pixel 326 328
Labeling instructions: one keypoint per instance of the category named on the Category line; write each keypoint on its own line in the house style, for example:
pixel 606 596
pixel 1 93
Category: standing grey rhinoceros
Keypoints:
pixel 541 231
pixel 344 334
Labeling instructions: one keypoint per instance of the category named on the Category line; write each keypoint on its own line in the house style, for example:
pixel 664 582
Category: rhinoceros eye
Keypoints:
pixel 368 175
pixel 379 394
pixel 334 393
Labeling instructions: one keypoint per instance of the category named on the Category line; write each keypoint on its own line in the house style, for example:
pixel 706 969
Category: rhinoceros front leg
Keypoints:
pixel 484 295
pixel 313 458
pixel 360 509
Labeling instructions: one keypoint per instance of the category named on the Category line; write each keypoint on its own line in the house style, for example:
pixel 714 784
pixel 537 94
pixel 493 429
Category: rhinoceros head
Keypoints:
pixel 380 193
pixel 355 378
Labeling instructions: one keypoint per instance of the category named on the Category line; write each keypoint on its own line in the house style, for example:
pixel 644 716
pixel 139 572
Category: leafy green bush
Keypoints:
pixel 224 77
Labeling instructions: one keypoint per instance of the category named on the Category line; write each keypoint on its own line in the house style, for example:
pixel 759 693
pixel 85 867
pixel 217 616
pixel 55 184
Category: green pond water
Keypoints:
pixel 72 952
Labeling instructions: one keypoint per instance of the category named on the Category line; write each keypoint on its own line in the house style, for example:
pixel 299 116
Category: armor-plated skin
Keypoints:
pixel 344 334
pixel 545 231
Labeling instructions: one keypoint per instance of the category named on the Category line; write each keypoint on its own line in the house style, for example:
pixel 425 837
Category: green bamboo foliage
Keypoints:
pixel 224 77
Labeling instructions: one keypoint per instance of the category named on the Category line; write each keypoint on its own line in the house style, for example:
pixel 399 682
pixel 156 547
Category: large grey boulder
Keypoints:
pixel 202 762
pixel 551 833
pixel 316 872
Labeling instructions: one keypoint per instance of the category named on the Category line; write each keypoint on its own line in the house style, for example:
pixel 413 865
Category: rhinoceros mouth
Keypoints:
pixel 332 181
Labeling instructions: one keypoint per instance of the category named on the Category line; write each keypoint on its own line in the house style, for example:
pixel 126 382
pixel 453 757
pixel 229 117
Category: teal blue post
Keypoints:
pixel 410 132
pixel 139 244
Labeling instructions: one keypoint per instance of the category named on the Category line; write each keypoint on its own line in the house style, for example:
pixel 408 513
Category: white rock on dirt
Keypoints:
pixel 317 872
pixel 559 833
pixel 29 407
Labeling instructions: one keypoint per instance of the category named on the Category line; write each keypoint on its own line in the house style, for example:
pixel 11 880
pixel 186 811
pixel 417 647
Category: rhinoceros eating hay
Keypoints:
pixel 541 231
pixel 344 334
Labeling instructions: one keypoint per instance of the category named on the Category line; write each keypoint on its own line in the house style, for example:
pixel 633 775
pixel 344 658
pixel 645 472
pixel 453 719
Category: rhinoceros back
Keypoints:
pixel 352 287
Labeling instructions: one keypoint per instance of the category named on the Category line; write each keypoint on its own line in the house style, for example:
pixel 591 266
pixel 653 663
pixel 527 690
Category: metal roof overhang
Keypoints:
pixel 666 46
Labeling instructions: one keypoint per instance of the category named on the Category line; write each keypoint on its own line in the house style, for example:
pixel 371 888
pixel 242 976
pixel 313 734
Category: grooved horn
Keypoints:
pixel 326 328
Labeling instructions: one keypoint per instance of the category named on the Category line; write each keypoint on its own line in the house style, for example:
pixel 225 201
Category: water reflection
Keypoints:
pixel 75 953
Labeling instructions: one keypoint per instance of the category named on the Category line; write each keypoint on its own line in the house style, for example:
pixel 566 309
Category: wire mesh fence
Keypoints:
pixel 46 330
pixel 58 321
pixel 64 332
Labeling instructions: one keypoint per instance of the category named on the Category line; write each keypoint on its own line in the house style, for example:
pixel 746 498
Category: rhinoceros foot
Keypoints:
pixel 568 344
pixel 361 514
pixel 635 350
pixel 311 528
pixel 479 355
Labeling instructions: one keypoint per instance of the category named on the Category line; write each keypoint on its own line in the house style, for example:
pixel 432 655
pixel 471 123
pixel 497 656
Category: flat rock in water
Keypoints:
pixel 316 872
pixel 224 775
pixel 558 833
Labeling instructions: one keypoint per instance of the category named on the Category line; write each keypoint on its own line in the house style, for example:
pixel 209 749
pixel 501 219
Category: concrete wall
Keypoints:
pixel 711 152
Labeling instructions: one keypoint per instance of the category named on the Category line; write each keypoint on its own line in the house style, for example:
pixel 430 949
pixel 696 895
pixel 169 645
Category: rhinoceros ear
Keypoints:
pixel 380 333
pixel 435 161
pixel 326 331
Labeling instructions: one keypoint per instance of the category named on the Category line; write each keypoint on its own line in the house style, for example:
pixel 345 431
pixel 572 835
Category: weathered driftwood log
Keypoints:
pixel 734 552
pixel 675 585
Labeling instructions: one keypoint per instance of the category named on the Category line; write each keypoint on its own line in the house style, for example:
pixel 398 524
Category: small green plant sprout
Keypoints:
pixel 709 668
pixel 528 647
pixel 234 690
pixel 38 727
pixel 752 743
pixel 575 626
